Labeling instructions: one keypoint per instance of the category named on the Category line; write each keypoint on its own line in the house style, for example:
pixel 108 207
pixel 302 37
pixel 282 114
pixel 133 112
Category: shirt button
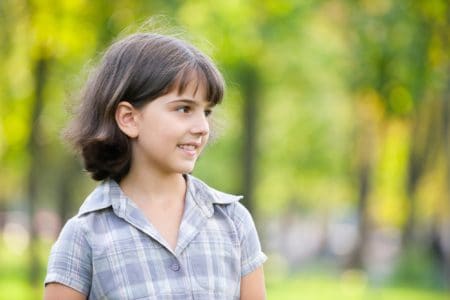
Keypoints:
pixel 175 266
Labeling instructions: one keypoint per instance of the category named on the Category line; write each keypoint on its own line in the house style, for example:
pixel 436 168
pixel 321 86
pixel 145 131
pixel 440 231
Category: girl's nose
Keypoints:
pixel 200 125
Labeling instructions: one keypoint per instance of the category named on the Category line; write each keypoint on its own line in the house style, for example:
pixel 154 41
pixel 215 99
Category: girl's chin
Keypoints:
pixel 188 168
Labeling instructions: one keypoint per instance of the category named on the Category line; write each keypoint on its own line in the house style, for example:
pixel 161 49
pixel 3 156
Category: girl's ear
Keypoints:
pixel 126 119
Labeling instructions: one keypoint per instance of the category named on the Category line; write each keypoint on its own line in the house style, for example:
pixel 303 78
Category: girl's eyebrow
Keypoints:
pixel 191 102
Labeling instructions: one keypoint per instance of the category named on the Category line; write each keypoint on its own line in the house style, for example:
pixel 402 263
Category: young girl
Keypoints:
pixel 150 230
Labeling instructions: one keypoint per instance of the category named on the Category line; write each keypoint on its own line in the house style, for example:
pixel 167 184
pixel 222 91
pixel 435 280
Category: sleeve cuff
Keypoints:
pixel 69 282
pixel 252 265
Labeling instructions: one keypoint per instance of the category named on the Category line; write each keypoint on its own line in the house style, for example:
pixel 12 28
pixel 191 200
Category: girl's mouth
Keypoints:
pixel 189 149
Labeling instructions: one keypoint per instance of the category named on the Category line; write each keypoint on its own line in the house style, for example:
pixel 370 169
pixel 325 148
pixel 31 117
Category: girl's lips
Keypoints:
pixel 189 149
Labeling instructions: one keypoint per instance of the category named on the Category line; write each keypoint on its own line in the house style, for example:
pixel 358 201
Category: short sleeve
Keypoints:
pixel 70 258
pixel 252 256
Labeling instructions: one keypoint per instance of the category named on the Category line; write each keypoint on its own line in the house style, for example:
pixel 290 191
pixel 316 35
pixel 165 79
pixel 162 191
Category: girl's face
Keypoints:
pixel 172 131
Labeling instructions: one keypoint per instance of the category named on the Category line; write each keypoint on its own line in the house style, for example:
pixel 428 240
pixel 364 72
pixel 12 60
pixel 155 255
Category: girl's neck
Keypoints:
pixel 153 188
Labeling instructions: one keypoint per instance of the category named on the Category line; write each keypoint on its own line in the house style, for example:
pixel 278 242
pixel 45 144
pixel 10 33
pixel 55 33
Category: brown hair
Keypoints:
pixel 137 69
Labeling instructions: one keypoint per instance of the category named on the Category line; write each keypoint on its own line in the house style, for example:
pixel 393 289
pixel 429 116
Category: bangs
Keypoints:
pixel 202 74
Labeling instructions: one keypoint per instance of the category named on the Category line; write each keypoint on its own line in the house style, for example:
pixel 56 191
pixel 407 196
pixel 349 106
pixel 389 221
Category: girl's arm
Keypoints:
pixel 56 291
pixel 252 285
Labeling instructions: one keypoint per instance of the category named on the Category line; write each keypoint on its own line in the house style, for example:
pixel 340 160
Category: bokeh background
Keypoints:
pixel 335 126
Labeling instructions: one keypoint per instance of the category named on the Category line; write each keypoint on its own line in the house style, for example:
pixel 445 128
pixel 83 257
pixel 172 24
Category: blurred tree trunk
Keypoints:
pixel 423 141
pixel 445 34
pixel 446 248
pixel 446 138
pixel 250 85
pixel 423 150
pixel 35 154
pixel 365 160
pixel 65 186
pixel 357 255
pixel 2 214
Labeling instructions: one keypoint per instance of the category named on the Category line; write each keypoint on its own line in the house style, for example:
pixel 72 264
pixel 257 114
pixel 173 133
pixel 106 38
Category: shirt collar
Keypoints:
pixel 109 193
pixel 205 196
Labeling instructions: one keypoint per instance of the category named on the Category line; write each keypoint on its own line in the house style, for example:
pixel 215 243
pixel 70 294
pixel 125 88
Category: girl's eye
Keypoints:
pixel 208 112
pixel 184 109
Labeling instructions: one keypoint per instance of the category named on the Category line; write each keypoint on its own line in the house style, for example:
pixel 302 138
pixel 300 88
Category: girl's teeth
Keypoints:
pixel 187 147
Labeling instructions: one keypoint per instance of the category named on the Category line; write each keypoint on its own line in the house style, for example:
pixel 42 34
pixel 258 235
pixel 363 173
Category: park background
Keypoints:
pixel 335 127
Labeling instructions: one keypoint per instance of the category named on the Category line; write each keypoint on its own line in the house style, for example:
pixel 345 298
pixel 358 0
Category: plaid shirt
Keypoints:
pixel 111 251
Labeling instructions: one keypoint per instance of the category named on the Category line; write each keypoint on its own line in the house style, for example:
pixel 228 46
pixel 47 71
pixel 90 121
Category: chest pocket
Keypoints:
pixel 214 260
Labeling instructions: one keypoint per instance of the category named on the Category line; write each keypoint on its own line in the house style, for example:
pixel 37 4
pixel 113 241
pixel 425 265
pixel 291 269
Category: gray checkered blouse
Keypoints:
pixel 110 250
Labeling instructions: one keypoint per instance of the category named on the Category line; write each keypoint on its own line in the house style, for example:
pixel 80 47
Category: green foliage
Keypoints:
pixel 417 267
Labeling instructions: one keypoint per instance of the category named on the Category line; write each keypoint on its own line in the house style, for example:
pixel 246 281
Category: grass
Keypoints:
pixel 14 272
pixel 323 286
